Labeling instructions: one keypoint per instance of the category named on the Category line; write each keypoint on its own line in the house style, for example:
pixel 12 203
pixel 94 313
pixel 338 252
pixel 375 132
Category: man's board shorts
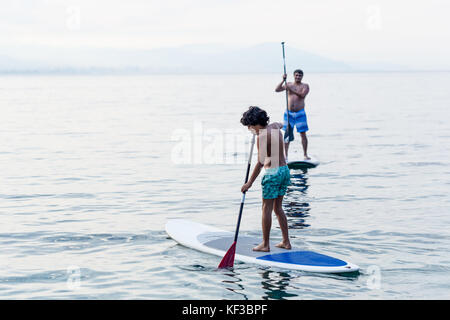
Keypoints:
pixel 275 182
pixel 297 119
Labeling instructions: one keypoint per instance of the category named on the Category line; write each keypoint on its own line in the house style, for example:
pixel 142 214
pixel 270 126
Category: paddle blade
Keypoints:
pixel 286 136
pixel 228 259
pixel 289 134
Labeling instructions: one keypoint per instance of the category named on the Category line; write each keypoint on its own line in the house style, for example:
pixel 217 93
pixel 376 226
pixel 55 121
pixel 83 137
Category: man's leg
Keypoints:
pixel 305 145
pixel 288 128
pixel 290 134
pixel 282 220
pixel 267 208
pixel 286 150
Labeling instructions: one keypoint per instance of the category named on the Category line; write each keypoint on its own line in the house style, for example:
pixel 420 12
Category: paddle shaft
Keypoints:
pixel 286 133
pixel 243 194
pixel 287 100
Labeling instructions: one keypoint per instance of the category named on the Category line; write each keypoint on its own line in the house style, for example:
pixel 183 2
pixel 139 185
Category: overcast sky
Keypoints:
pixel 390 31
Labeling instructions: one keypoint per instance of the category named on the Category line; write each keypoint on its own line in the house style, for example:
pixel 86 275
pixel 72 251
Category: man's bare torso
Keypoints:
pixel 296 102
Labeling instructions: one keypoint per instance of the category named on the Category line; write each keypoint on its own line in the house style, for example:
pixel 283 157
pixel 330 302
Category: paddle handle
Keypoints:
pixel 243 194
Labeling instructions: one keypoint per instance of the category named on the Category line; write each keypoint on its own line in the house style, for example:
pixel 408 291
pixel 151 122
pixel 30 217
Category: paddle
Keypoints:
pixel 287 135
pixel 228 259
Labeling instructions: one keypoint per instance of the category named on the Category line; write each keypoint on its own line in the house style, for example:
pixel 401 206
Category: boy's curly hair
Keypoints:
pixel 254 116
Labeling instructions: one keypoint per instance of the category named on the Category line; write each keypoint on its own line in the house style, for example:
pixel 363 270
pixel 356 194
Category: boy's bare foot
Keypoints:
pixel 284 245
pixel 262 247
pixel 307 158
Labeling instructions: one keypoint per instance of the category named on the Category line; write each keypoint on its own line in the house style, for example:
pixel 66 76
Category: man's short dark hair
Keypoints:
pixel 298 71
pixel 254 116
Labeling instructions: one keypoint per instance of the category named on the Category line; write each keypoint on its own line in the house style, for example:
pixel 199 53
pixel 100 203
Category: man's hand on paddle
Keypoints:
pixel 246 186
pixel 281 87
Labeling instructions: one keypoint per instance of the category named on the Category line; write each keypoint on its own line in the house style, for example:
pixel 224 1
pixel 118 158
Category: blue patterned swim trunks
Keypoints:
pixel 275 182
pixel 297 119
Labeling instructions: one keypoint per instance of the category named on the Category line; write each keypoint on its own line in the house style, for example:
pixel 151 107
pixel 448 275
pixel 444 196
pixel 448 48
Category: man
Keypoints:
pixel 297 92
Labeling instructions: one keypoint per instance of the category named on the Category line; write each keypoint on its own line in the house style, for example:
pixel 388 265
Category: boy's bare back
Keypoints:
pixel 271 140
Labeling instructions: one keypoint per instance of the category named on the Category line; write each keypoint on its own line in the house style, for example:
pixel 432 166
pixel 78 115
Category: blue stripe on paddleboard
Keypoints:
pixel 306 258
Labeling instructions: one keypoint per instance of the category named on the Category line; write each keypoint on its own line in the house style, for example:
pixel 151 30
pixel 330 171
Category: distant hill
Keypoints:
pixel 263 58
pixel 7 62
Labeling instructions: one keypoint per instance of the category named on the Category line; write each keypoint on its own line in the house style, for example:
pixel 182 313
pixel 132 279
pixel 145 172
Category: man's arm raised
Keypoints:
pixel 281 86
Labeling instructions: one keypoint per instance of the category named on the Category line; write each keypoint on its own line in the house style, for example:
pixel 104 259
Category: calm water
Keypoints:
pixel 93 166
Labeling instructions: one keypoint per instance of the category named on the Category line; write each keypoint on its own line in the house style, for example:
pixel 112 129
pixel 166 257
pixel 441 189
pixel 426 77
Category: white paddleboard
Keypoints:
pixel 217 242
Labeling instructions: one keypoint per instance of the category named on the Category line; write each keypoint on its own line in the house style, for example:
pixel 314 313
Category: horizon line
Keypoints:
pixel 124 71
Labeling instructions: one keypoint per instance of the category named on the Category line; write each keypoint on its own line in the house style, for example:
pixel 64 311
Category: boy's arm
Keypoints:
pixel 258 166
pixel 255 172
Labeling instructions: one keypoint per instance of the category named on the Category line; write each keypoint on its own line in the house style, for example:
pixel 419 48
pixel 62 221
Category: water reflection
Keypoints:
pixel 277 284
pixel 274 285
pixel 233 283
pixel 295 206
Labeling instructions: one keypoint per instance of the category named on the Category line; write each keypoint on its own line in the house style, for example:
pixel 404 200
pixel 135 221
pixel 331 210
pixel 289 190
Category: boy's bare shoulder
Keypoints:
pixel 276 125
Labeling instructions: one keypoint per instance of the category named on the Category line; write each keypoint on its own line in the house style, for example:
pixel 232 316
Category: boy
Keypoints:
pixel 297 92
pixel 276 178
